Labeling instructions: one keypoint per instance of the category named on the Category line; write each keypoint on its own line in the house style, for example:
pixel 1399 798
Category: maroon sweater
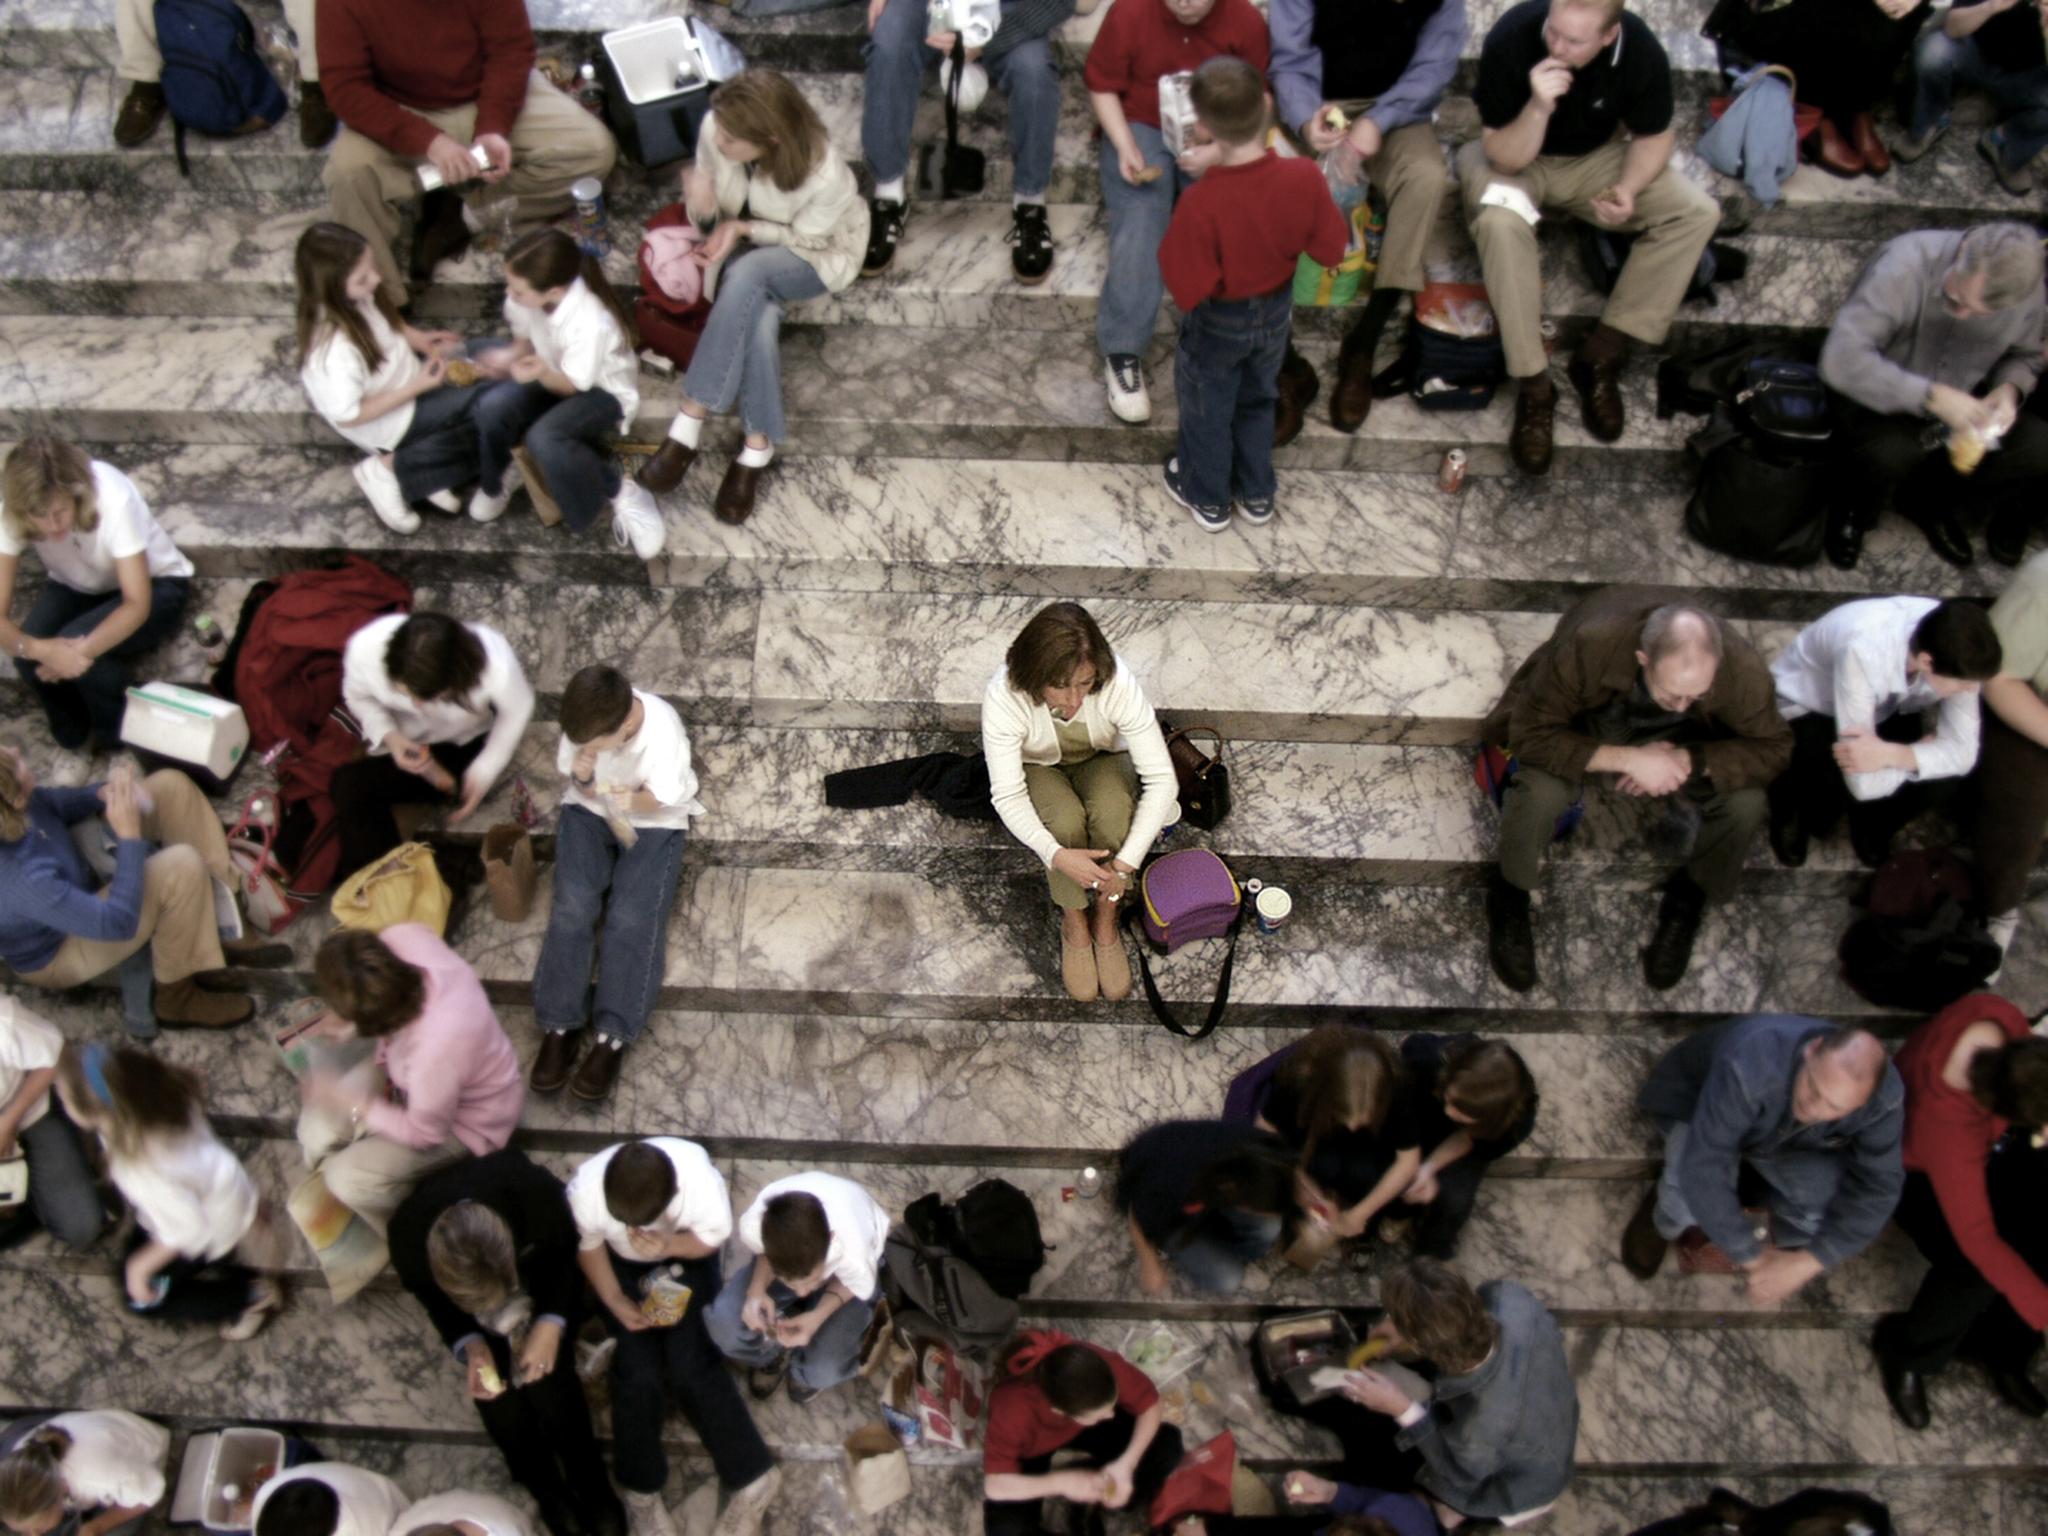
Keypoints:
pixel 383 62
pixel 1241 230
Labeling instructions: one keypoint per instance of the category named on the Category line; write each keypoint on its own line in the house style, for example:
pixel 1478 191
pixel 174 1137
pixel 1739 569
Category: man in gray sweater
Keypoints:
pixel 1930 360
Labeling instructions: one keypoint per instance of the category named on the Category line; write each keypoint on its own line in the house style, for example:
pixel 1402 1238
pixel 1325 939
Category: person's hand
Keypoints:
pixel 432 375
pixel 1153 1277
pixel 123 813
pixel 796 1332
pixel 473 790
pixel 1318 134
pixel 407 753
pixel 476 1355
pixel 1896 9
pixel 630 1317
pixel 441 344
pixel 1200 157
pixel 6 1149
pixel 140 1282
pixel 1130 163
pixel 1657 769
pixel 648 1244
pixel 537 1356
pixel 942 42
pixel 528 369
pixel 757 1314
pixel 1385 1331
pixel 730 232
pixel 1617 205
pixel 1314 1204
pixel 499 148
pixel 1959 411
pixel 332 1092
pixel 1777 1273
pixel 1422 1190
pixel 1081 866
pixel 585 765
pixel 1369 1389
pixel 1364 135
pixel 452 160
pixel 1080 1485
pixel 1864 752
pixel 2004 405
pixel 495 362
pixel 1307 1488
pixel 1116 1484
pixel 875 9
pixel 63 659
pixel 1549 80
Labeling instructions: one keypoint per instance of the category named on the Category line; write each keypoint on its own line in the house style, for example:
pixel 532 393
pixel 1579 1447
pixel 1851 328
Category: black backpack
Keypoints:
pixel 1920 944
pixel 994 1227
pixel 928 1280
pixel 1605 252
pixel 1764 465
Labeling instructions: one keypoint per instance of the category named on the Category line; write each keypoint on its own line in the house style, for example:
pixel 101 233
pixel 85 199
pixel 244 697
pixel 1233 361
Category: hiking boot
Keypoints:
pixel 1642 1246
pixel 187 1005
pixel 557 1058
pixel 2018 181
pixel 140 113
pixel 1678 923
pixel 1123 375
pixel 1298 388
pixel 598 1072
pixel 317 121
pixel 764 1381
pixel 256 954
pixel 1031 237
pixel 1351 400
pixel 1511 939
pixel 885 229
pixel 1599 387
pixel 1529 439
pixel 664 472
pixel 443 234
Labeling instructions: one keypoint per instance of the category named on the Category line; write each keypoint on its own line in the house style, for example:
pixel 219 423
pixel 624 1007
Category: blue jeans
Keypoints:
pixel 1131 289
pixel 92 705
pixel 589 861
pixel 739 356
pixel 570 438
pixel 1942 65
pixel 830 1358
pixel 438 451
pixel 1028 76
pixel 1802 1188
pixel 60 1181
pixel 1214 1262
pixel 1226 372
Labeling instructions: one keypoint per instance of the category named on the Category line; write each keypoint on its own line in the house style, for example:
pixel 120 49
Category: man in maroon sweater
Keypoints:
pixel 416 83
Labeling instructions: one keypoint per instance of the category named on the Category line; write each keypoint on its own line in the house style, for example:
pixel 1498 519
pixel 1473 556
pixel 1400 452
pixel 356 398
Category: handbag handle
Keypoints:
pixel 1188 733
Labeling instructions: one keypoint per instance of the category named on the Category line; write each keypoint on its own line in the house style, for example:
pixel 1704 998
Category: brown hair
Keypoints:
pixel 471 1253
pixel 596 703
pixel 2012 1081
pixel 32 1476
pixel 1340 1075
pixel 1229 99
pixel 42 466
pixel 764 108
pixel 1051 648
pixel 1074 1378
pixel 639 1183
pixel 146 1095
pixel 1439 1314
pixel 13 803
pixel 795 1236
pixel 435 657
pixel 367 984
pixel 325 255
pixel 1488 1080
pixel 549 258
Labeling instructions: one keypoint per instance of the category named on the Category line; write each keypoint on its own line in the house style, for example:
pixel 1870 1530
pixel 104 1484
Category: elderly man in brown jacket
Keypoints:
pixel 1643 684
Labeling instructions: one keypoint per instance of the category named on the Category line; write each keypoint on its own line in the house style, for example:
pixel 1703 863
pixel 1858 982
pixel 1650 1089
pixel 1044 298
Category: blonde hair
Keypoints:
pixel 471 1254
pixel 1609 10
pixel 1341 1076
pixel 32 1476
pixel 42 466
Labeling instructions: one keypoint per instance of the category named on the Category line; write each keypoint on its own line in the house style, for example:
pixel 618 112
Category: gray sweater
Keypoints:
pixel 1894 336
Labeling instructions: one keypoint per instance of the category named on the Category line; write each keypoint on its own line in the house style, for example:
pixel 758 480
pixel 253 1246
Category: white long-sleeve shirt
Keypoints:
pixel 188 1191
pixel 1852 663
pixel 581 340
pixel 502 702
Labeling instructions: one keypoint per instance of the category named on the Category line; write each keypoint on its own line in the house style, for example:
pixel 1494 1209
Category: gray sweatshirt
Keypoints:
pixel 1894 336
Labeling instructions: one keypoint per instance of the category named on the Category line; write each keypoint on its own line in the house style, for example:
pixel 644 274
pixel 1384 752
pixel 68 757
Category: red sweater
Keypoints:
pixel 1241 230
pixel 1023 1426
pixel 1949 1137
pixel 382 62
pixel 1141 41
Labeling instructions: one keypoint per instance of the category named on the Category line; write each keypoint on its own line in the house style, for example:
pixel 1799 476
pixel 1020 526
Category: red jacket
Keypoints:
pixel 1949 1137
pixel 1239 232
pixel 383 62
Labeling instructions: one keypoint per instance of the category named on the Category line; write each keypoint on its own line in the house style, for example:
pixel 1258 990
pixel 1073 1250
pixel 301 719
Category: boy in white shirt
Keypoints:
pixel 326 1498
pixel 1843 685
pixel 626 804
pixel 466 1514
pixel 644 1208
pixel 803 1302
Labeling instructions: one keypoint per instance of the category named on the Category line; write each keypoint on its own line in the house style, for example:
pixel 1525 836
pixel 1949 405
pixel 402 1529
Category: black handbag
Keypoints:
pixel 1203 776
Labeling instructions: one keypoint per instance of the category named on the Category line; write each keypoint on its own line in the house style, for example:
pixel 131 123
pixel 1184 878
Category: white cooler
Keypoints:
pixel 175 727
pixel 216 1462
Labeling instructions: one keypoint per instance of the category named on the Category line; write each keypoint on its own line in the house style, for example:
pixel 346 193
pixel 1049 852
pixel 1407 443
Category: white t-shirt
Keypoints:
pixel 701 1205
pixel 28 1043
pixel 501 704
pixel 493 1515
pixel 859 1227
pixel 338 379
pixel 116 1460
pixel 657 759
pixel 370 1501
pixel 84 562
pixel 582 339
pixel 188 1191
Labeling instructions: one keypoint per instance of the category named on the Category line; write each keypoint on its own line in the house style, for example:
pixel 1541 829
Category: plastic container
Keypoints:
pixel 222 1471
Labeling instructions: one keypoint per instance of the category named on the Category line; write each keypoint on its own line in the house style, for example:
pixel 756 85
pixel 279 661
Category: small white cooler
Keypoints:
pixel 241 1459
pixel 175 727
pixel 657 78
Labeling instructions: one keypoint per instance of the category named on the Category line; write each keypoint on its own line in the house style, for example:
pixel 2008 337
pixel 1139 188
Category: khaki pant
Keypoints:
pixel 555 143
pixel 1673 222
pixel 372 1175
pixel 177 894
pixel 135 34
pixel 1085 805
pixel 1409 172
pixel 1729 822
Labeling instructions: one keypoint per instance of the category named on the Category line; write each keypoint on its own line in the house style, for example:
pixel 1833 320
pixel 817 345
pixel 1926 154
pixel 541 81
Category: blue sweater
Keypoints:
pixel 47 894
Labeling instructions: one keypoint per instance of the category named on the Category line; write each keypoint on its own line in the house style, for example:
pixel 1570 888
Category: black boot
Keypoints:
pixel 1843 541
pixel 1904 1389
pixel 1511 941
pixel 1678 920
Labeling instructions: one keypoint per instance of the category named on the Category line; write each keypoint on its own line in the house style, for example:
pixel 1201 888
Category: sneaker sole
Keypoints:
pixel 1129 417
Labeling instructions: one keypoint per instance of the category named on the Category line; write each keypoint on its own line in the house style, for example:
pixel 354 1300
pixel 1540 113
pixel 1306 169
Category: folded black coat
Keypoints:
pixel 955 782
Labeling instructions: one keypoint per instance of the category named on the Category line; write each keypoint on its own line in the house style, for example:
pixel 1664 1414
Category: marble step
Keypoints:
pixel 1746 1402
pixel 953 269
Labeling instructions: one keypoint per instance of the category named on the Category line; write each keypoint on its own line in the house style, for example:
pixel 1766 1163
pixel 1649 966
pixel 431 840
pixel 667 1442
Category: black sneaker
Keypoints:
pixel 885 228
pixel 1678 921
pixel 1511 940
pixel 1032 237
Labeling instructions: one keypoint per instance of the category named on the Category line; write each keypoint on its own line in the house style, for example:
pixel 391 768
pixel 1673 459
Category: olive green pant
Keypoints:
pixel 1085 805
pixel 1535 799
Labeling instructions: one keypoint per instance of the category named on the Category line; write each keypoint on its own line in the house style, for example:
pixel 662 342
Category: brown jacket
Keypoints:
pixel 1590 658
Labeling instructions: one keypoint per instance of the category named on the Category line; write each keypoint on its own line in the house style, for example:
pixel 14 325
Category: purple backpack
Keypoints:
pixel 1186 895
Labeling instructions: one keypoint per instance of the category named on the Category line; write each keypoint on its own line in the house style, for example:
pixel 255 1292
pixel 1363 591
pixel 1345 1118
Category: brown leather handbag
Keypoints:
pixel 1204 776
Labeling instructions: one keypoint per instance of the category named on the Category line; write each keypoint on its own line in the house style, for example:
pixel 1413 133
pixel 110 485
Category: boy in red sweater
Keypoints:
pixel 1229 258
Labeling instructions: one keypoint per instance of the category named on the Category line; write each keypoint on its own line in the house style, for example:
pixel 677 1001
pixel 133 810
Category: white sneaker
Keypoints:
pixel 488 509
pixel 647 1514
pixel 380 486
pixel 447 501
pixel 637 520
pixel 1128 399
pixel 745 1510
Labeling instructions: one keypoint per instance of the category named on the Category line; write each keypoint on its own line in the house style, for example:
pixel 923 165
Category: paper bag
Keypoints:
pixel 509 872
pixel 877 1470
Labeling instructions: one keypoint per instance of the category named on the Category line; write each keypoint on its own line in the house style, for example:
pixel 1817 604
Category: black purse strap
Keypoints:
pixel 1160 1009
pixel 959 60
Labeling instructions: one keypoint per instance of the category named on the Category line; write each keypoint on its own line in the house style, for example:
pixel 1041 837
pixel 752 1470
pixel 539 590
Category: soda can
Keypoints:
pixel 1450 479
pixel 1253 886
pixel 593 228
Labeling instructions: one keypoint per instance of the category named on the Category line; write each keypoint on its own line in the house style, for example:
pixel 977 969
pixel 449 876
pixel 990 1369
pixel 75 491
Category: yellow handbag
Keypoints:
pixel 401 887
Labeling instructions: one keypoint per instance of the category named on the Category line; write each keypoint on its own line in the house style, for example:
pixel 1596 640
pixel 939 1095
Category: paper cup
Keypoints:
pixel 1272 907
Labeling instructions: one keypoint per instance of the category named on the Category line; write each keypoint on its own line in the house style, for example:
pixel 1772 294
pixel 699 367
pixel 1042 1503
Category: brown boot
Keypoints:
pixel 1863 134
pixel 317 121
pixel 598 1071
pixel 1642 1246
pixel 1599 387
pixel 1298 386
pixel 556 1060
pixel 1351 400
pixel 664 472
pixel 140 113
pixel 1529 440
pixel 1837 155
pixel 187 1005
pixel 735 500
pixel 256 953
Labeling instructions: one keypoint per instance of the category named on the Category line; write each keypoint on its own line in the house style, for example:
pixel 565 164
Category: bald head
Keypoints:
pixel 1680 654
pixel 1839 1074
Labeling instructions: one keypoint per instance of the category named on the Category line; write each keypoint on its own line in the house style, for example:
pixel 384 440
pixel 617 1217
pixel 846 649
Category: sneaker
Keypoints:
pixel 140 113
pixel 885 229
pixel 647 1514
pixel 1255 510
pixel 1124 375
pixel 1214 519
pixel 1911 146
pixel 745 1510
pixel 637 520
pixel 488 509
pixel 445 501
pixel 1032 237
pixel 2018 181
pixel 380 488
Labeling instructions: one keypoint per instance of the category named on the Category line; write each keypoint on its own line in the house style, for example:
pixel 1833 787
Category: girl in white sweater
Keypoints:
pixel 762 151
pixel 1069 740
pixel 105 1467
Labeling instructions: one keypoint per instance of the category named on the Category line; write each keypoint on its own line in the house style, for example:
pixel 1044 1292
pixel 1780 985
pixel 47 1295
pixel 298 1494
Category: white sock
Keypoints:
pixel 756 458
pixel 687 429
pixel 1019 199
pixel 890 191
